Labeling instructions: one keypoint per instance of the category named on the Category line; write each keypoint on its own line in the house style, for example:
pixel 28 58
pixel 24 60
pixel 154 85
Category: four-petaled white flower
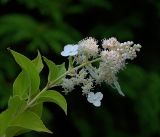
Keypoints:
pixel 95 98
pixel 70 50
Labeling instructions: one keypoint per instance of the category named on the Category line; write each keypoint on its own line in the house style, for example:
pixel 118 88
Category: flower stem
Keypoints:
pixel 70 70
pixel 35 98
pixel 86 63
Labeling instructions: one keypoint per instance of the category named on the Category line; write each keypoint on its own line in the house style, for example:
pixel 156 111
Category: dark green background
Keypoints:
pixel 47 25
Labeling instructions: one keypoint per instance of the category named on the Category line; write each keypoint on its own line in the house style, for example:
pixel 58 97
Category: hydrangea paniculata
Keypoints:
pixel 110 57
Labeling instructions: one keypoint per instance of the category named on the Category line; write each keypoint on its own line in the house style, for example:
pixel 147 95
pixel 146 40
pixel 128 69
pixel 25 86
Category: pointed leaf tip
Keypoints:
pixel 55 71
pixel 27 65
pixel 31 121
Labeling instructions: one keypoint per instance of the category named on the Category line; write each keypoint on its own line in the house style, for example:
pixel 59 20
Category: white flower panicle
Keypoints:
pixel 111 58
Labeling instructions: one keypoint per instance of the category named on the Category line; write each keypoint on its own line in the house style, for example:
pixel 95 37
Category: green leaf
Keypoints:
pixel 22 85
pixel 27 65
pixel 38 62
pixel 5 118
pixel 15 106
pixel 15 131
pixel 55 71
pixel 55 97
pixel 31 121
pixel 37 109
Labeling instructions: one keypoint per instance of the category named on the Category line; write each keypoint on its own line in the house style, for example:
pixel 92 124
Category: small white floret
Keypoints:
pixel 70 50
pixel 95 98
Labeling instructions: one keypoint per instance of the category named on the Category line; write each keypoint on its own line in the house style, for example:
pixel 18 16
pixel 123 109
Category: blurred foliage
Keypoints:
pixel 47 25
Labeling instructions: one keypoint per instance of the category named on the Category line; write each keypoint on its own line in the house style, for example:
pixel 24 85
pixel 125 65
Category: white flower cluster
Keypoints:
pixel 86 49
pixel 111 58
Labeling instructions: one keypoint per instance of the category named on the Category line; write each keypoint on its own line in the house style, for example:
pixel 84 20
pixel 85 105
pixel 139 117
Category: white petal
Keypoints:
pixel 99 96
pixel 90 97
pixel 72 53
pixel 63 53
pixel 76 47
pixel 97 103
pixel 68 47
